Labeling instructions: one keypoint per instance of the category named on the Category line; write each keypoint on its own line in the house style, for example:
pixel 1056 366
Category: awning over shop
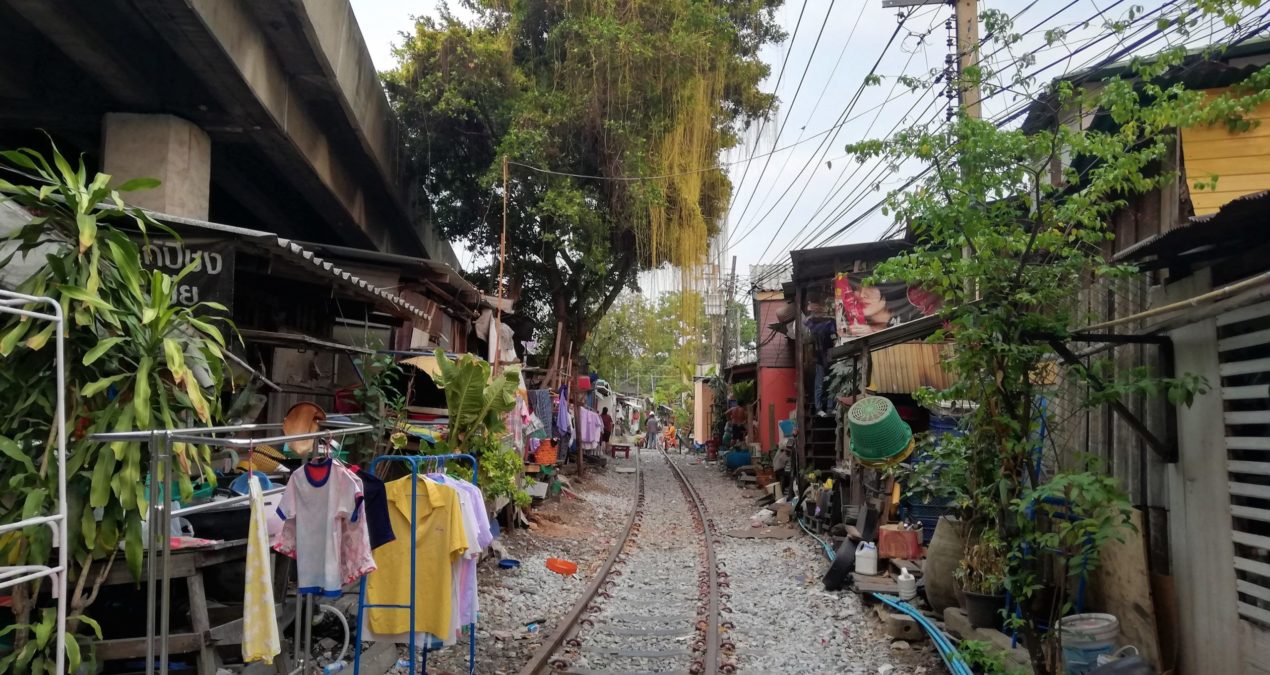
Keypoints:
pixel 447 284
pixel 917 329
pixel 300 259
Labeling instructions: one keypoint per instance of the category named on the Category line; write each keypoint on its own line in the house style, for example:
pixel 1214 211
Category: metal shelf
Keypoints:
pixel 17 304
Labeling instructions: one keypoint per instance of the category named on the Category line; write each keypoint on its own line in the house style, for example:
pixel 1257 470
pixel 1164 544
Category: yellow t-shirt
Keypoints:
pixel 440 540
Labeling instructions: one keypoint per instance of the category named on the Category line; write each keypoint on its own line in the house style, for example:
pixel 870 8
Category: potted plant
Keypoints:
pixel 981 581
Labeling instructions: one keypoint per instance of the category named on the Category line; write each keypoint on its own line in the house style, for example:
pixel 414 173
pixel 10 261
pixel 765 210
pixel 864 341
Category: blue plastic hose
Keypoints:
pixel 828 551
pixel 947 651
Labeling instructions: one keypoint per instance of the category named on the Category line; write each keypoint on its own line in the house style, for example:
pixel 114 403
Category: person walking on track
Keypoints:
pixel 653 428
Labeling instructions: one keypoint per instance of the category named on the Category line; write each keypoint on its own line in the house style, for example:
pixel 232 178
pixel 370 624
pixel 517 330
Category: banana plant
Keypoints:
pixel 135 359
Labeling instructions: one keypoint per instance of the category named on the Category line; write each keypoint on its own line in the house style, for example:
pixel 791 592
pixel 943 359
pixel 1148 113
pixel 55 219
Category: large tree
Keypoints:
pixel 652 343
pixel 613 114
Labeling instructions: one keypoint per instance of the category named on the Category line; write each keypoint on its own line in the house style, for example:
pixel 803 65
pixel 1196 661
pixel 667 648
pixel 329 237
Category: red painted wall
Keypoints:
pixel 775 388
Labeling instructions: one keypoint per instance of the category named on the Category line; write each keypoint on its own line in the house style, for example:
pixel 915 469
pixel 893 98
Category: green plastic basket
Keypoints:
pixel 877 432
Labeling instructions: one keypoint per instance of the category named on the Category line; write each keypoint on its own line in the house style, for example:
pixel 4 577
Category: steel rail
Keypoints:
pixel 541 659
pixel 713 602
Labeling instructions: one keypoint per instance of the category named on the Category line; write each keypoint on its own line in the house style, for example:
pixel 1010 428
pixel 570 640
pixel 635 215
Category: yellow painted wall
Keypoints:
pixel 1241 161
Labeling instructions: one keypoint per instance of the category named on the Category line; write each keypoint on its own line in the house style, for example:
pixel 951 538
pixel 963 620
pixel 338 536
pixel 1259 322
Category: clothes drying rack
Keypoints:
pixel 159 516
pixel 17 304
pixel 415 462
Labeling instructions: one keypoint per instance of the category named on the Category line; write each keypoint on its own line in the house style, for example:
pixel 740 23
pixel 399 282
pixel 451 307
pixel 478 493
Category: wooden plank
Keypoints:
pixel 1245 393
pixel 200 623
pixel 1244 176
pixel 1252 567
pixel 1166 617
pixel 1245 367
pixel 1253 339
pixel 1250 513
pixel 1250 539
pixel 1242 314
pixel 1249 588
pixel 864 584
pixel 1255 613
pixel 1247 417
pixel 1125 589
pixel 131 648
pixel 1254 468
pixel 1250 490
pixel 1247 443
pixel 1228 148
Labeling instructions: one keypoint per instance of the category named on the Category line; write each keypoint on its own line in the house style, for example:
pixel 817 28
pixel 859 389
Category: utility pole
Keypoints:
pixel 727 315
pixel 966 18
pixel 967 21
pixel 968 55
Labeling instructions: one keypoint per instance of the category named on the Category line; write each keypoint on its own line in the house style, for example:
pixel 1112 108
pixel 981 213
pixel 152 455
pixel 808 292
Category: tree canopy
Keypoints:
pixel 644 95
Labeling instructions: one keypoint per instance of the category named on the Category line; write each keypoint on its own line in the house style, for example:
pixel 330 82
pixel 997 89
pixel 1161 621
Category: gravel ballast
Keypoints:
pixel 578 530
pixel 785 622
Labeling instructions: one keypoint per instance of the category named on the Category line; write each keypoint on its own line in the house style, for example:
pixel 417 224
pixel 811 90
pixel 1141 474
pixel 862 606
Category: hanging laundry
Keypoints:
pixel 375 506
pixel 440 539
pixel 563 428
pixel 476 521
pixel 590 429
pixel 260 623
pixel 540 403
pixel 319 505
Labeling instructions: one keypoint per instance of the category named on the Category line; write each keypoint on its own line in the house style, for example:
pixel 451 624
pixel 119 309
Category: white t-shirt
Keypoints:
pixel 319 497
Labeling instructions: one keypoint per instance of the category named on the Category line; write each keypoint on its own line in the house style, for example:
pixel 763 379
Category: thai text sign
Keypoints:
pixel 212 276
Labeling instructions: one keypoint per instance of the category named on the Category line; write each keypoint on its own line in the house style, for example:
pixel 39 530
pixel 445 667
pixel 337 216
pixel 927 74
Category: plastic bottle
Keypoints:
pixel 907 584
pixel 866 558
pixel 334 667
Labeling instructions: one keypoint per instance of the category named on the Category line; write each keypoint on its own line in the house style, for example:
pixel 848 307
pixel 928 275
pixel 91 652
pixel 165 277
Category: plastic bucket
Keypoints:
pixel 1085 637
pixel 944 424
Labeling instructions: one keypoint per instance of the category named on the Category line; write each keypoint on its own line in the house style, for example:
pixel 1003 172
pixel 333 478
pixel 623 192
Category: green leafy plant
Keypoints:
pixel 985 658
pixel 477 403
pixel 134 360
pixel 1007 224
pixel 582 87
pixel 382 404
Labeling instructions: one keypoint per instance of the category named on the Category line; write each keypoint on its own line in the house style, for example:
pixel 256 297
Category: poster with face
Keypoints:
pixel 863 310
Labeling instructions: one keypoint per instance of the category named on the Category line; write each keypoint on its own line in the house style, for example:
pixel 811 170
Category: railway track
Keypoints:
pixel 655 605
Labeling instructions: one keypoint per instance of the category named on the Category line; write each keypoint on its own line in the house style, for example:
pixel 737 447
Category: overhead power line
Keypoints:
pixel 1013 114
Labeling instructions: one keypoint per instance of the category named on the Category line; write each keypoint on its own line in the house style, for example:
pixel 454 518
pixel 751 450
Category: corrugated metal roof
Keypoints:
pixel 1236 225
pixel 461 287
pixel 302 258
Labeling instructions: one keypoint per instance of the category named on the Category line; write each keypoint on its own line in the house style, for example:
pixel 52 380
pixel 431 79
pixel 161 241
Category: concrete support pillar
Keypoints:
pixel 173 150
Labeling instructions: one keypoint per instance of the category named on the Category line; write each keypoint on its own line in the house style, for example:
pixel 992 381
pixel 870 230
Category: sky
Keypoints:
pixel 802 194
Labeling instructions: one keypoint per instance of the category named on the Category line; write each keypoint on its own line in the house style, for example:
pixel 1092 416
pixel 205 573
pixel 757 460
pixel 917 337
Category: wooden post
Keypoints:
pixel 968 55
pixel 800 371
pixel 502 258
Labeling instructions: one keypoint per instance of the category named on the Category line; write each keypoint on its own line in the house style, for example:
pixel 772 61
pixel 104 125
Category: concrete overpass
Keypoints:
pixel 261 113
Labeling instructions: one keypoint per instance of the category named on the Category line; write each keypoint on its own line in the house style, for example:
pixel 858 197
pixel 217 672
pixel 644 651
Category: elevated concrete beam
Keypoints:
pixel 59 21
pixel 341 52
pixel 221 43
